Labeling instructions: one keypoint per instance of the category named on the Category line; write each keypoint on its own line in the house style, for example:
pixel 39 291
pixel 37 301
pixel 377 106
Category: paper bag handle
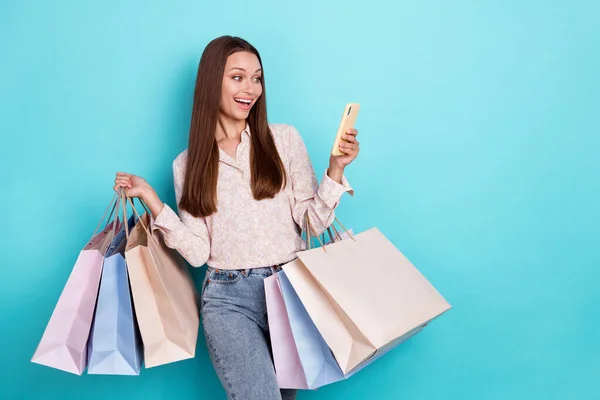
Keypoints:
pixel 140 218
pixel 310 232
pixel 114 203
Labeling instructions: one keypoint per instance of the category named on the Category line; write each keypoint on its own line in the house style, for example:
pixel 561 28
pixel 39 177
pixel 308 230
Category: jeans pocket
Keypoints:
pixel 223 276
pixel 204 282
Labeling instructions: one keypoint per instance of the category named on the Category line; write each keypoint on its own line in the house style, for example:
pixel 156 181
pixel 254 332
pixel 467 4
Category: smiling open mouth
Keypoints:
pixel 243 104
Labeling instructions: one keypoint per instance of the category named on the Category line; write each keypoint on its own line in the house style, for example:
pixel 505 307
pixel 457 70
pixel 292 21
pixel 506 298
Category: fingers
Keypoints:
pixel 116 188
pixel 122 180
pixel 350 135
pixel 349 147
pixel 349 143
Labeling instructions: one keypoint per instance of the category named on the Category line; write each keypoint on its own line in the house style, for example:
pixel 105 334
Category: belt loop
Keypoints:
pixel 246 272
pixel 273 270
pixel 278 267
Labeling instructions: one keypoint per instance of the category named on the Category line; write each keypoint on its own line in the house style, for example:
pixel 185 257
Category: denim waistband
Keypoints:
pixel 264 271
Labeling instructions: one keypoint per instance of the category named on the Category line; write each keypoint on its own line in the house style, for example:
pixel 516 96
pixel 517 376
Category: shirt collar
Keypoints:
pixel 223 157
pixel 246 130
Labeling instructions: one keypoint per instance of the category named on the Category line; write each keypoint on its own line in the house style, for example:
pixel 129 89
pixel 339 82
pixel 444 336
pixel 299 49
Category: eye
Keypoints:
pixel 237 78
pixel 258 79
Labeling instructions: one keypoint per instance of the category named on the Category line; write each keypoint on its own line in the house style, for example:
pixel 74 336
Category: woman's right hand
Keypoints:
pixel 135 186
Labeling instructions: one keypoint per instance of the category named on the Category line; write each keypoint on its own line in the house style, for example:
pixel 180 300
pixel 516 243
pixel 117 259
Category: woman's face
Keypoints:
pixel 242 85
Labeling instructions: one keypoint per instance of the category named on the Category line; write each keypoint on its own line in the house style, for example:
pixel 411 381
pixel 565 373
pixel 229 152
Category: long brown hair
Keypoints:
pixel 268 177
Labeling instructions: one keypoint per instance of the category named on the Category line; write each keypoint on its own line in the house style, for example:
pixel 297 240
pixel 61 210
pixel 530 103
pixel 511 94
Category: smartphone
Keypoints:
pixel 347 122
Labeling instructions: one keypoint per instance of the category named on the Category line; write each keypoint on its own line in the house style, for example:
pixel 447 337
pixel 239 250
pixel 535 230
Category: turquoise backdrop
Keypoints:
pixel 480 134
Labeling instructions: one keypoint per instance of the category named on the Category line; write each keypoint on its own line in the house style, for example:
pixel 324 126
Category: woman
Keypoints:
pixel 243 188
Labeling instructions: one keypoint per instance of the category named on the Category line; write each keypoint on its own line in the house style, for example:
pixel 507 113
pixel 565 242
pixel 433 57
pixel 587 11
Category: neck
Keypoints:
pixel 228 128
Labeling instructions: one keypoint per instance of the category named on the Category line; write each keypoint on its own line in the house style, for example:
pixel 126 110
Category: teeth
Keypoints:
pixel 244 101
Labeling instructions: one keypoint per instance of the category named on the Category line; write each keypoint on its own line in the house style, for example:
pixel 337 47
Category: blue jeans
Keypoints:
pixel 234 316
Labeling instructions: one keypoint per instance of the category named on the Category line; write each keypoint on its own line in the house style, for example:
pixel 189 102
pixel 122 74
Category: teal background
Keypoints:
pixel 479 132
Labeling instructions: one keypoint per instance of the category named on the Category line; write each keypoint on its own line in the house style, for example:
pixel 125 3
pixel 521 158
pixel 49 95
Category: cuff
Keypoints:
pixel 165 221
pixel 330 191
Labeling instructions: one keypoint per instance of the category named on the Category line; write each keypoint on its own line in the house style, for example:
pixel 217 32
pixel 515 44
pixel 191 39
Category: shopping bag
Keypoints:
pixel 318 363
pixel 115 346
pixel 286 360
pixel 164 297
pixel 64 342
pixel 362 318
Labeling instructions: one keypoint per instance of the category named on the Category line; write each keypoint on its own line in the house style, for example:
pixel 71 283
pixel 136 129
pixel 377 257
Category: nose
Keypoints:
pixel 247 88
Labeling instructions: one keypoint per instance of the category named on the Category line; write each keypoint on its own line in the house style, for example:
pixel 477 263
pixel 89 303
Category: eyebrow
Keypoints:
pixel 242 69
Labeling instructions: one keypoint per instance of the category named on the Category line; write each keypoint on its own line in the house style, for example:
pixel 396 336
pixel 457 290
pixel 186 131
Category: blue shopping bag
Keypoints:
pixel 115 346
pixel 319 365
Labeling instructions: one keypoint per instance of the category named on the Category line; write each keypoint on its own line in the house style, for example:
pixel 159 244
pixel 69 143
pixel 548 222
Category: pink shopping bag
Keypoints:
pixel 288 368
pixel 64 342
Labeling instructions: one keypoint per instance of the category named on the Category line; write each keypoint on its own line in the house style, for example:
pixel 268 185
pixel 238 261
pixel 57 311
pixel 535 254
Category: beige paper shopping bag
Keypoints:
pixel 364 296
pixel 164 297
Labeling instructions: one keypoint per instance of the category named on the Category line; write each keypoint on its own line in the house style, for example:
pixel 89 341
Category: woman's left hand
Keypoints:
pixel 349 146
